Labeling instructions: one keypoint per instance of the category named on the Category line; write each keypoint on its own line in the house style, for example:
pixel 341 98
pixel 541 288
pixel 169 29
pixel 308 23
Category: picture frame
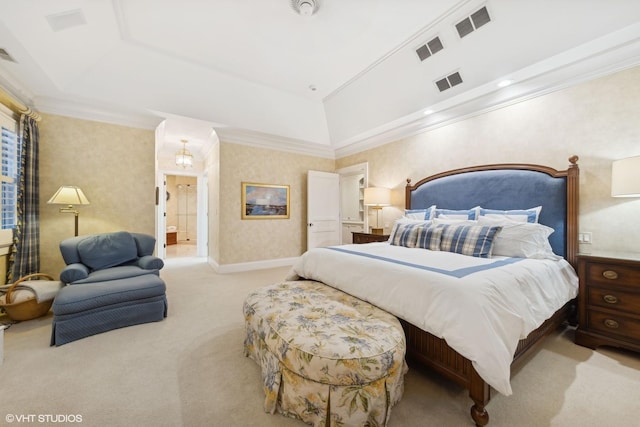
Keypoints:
pixel 265 201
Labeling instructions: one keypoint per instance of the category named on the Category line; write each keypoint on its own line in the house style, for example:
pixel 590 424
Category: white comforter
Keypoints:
pixel 481 307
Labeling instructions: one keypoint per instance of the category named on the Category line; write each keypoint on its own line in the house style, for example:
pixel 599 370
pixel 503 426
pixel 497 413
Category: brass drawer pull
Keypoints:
pixel 610 299
pixel 611 324
pixel 610 274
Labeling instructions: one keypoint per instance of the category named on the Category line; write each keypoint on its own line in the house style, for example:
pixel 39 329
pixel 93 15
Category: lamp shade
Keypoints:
pixel 69 195
pixel 377 196
pixel 625 177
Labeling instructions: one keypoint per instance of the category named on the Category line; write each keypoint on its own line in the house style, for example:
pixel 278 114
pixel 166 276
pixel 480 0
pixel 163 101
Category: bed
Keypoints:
pixel 500 187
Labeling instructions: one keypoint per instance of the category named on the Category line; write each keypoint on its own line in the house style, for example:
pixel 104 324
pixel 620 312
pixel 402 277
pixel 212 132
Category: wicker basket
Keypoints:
pixel 28 309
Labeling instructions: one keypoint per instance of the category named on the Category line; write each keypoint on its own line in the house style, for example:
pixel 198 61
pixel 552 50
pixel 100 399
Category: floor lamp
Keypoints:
pixel 376 198
pixel 69 195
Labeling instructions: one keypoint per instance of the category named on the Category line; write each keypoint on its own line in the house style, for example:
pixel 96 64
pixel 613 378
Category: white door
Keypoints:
pixel 161 216
pixel 323 209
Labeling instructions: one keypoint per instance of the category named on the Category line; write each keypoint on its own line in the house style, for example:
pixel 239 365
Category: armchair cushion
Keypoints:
pixel 73 272
pixel 107 250
pixel 150 262
pixel 114 273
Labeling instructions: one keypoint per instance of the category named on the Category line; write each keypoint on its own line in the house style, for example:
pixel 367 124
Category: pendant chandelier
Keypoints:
pixel 183 157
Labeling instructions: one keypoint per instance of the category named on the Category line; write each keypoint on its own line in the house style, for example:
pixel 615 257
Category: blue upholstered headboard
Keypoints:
pixel 509 186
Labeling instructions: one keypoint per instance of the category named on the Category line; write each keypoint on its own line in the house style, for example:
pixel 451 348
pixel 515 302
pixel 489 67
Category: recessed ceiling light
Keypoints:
pixel 427 112
pixel 505 83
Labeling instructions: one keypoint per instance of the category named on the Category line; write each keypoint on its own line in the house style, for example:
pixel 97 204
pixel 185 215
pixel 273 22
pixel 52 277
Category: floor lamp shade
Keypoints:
pixel 69 195
pixel 625 177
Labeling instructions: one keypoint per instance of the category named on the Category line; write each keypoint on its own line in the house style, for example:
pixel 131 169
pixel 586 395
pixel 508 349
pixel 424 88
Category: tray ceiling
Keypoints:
pixel 353 73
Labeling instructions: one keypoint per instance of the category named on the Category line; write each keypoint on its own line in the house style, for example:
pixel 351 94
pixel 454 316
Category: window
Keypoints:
pixel 9 178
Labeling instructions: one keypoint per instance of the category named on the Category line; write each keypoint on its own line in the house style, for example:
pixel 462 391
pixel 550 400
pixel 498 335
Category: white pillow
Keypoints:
pixel 462 214
pixel 521 239
pixel 453 220
pixel 423 214
pixel 519 215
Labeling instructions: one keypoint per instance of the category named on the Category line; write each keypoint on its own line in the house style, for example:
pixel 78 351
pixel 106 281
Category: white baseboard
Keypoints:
pixel 253 265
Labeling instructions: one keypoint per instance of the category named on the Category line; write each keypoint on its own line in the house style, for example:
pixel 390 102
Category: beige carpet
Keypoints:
pixel 188 370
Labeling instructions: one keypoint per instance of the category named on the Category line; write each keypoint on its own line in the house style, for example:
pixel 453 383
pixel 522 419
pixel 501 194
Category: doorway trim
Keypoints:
pixel 359 168
pixel 201 211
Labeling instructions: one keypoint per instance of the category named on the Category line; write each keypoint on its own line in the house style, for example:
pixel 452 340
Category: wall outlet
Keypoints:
pixel 585 238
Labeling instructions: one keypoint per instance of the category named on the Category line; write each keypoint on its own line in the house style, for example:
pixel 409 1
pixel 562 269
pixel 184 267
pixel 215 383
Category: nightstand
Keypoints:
pixel 609 301
pixel 368 237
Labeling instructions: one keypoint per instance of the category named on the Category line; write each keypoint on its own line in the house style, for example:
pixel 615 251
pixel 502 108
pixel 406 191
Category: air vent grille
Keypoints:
pixel 65 20
pixel 448 82
pixel 5 55
pixel 430 48
pixel 473 22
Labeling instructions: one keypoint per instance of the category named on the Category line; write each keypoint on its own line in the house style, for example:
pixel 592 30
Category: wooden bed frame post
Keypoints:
pixel 480 393
pixel 573 173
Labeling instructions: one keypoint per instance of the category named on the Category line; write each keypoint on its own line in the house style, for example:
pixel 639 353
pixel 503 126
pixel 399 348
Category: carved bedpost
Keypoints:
pixel 407 194
pixel 480 393
pixel 573 189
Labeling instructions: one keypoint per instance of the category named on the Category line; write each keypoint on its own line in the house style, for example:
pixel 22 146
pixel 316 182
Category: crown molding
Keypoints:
pixel 113 115
pixel 16 89
pixel 273 142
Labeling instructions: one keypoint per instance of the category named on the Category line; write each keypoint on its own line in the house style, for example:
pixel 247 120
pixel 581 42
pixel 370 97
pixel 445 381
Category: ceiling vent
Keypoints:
pixel 65 20
pixel 473 22
pixel 449 81
pixel 5 55
pixel 430 48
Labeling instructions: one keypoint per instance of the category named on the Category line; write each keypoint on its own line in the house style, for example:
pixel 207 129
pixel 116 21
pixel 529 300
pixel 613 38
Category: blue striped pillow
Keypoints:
pixel 429 237
pixel 471 214
pixel 473 240
pixel 405 235
pixel 420 213
pixel 518 215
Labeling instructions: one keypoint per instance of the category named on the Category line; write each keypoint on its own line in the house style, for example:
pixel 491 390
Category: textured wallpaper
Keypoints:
pixel 114 167
pixel 598 120
pixel 256 240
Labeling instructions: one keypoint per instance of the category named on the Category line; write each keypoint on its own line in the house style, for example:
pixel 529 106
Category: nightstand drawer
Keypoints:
pixel 360 238
pixel 612 324
pixel 614 299
pixel 613 274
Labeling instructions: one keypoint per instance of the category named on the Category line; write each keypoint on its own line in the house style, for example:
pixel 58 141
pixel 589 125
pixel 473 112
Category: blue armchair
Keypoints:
pixel 113 281
pixel 108 256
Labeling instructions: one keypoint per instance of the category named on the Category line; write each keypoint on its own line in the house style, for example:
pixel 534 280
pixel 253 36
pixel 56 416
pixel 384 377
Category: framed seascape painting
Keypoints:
pixel 265 201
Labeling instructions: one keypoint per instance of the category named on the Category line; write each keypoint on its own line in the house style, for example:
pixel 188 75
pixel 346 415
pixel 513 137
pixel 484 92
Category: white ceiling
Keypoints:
pixel 254 70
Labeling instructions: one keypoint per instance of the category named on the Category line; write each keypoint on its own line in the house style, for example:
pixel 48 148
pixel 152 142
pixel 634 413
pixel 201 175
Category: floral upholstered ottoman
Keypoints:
pixel 327 358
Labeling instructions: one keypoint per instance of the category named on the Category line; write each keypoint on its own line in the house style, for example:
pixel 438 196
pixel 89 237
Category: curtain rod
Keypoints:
pixel 16 106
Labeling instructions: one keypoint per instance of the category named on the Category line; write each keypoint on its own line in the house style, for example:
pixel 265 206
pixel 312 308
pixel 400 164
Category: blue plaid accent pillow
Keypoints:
pixel 405 235
pixel 429 237
pixel 473 240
